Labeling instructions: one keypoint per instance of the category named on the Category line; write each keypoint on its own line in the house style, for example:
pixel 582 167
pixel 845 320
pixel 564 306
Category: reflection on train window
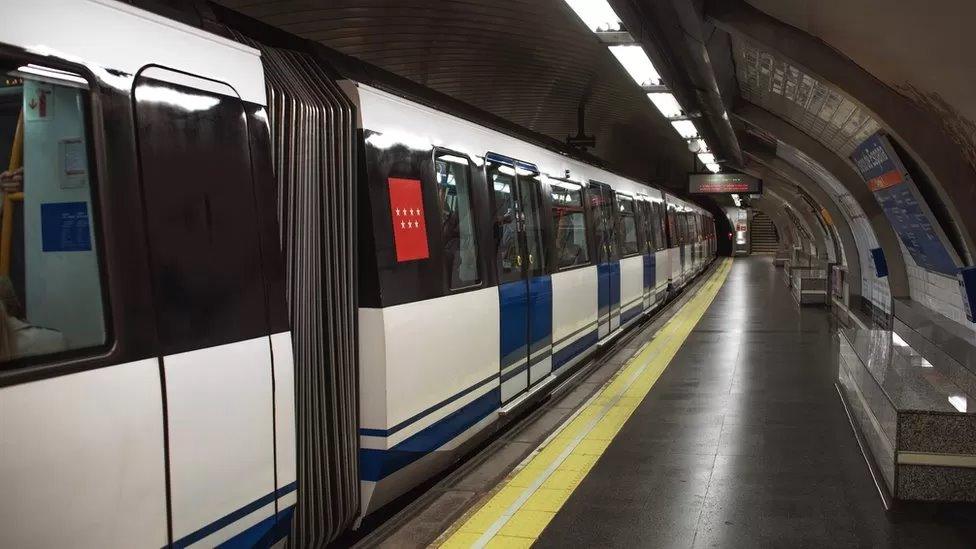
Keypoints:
pixel 567 216
pixel 531 205
pixel 628 225
pixel 644 209
pixel 602 210
pixel 508 254
pixel 200 212
pixel 658 225
pixel 50 288
pixel 457 219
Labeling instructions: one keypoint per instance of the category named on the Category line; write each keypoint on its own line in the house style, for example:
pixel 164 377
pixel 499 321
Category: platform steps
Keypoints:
pixel 763 234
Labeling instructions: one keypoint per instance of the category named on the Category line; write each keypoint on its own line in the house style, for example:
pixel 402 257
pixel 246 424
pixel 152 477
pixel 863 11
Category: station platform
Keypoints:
pixel 723 428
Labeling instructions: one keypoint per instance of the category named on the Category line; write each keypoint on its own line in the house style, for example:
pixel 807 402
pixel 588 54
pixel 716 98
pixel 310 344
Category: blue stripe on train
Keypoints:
pixel 513 318
pixel 614 285
pixel 650 271
pixel 376 464
pixel 569 352
pixel 525 320
pixel 629 314
pixel 418 416
pixel 234 516
pixel 263 534
pixel 540 316
pixel 608 287
pixel 603 288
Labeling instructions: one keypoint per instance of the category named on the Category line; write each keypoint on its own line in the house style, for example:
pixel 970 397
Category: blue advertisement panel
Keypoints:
pixel 904 206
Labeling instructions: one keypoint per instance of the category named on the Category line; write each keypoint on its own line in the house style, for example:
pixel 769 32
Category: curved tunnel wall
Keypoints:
pixel 842 105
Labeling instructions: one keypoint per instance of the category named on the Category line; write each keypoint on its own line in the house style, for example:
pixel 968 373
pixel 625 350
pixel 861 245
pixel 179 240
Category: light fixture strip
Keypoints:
pixel 597 15
pixel 637 64
pixel 666 104
pixel 685 128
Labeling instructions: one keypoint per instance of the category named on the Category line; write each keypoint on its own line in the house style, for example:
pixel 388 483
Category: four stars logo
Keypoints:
pixel 407 213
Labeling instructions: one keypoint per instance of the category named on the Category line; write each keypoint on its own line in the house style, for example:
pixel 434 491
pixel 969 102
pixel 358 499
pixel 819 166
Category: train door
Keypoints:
pixel 603 203
pixel 650 266
pixel 210 304
pixel 674 244
pixel 524 288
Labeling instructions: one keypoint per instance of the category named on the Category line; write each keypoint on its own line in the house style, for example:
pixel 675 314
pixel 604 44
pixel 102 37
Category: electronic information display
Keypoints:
pixel 723 183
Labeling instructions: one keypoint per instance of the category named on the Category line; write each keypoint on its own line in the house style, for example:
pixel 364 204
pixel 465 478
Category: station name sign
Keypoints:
pixel 723 183
pixel 904 206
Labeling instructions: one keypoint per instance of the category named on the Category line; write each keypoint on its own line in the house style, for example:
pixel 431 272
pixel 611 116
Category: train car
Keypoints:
pixel 496 266
pixel 146 394
pixel 245 294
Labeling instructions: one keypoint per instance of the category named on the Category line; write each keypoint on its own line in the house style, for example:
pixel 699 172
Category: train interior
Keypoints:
pixel 50 290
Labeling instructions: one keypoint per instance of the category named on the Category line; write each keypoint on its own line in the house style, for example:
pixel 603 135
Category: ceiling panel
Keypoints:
pixel 529 61
pixel 815 107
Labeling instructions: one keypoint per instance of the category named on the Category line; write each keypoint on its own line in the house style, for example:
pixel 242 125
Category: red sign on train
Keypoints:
pixel 407 212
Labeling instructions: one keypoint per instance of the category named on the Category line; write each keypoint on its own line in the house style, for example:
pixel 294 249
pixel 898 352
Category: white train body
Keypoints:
pixel 432 376
pixel 166 408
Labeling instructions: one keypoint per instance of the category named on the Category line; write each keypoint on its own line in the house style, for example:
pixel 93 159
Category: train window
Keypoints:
pixel 601 208
pixel 200 211
pixel 647 214
pixel 50 283
pixel 642 224
pixel 530 200
pixel 457 219
pixel 567 216
pixel 628 225
pixel 658 222
pixel 501 178
pixel 651 223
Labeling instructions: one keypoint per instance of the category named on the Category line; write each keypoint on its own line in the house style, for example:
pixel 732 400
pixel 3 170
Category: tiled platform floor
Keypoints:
pixel 743 442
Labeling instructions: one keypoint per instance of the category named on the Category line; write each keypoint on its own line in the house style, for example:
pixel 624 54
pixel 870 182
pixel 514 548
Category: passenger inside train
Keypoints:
pixel 454 197
pixel 570 224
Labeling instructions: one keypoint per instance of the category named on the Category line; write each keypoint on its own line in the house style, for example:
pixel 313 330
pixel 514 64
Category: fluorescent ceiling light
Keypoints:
pixel 685 128
pixel 666 103
pixel 637 64
pixel 706 158
pixel 714 168
pixel 958 402
pixel 698 146
pixel 596 14
pixel 52 73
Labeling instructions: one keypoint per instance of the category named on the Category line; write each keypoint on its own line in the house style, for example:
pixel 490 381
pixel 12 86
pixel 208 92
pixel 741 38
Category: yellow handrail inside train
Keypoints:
pixel 6 215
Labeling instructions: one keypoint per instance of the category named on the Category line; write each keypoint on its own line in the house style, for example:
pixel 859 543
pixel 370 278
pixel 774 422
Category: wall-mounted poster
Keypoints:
pixel 904 206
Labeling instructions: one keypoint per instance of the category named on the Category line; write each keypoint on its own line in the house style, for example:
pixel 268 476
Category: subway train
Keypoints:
pixel 251 289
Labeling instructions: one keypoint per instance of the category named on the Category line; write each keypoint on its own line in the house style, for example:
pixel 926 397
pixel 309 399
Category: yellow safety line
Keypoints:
pixel 515 514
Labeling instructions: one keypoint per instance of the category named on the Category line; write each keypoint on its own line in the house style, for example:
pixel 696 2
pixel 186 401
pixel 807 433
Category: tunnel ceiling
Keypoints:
pixel 920 48
pixel 818 109
pixel 529 61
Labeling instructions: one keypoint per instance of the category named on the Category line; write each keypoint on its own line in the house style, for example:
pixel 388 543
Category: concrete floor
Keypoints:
pixel 743 442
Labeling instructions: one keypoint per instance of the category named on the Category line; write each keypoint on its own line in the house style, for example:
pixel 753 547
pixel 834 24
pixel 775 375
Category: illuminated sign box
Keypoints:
pixel 723 183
